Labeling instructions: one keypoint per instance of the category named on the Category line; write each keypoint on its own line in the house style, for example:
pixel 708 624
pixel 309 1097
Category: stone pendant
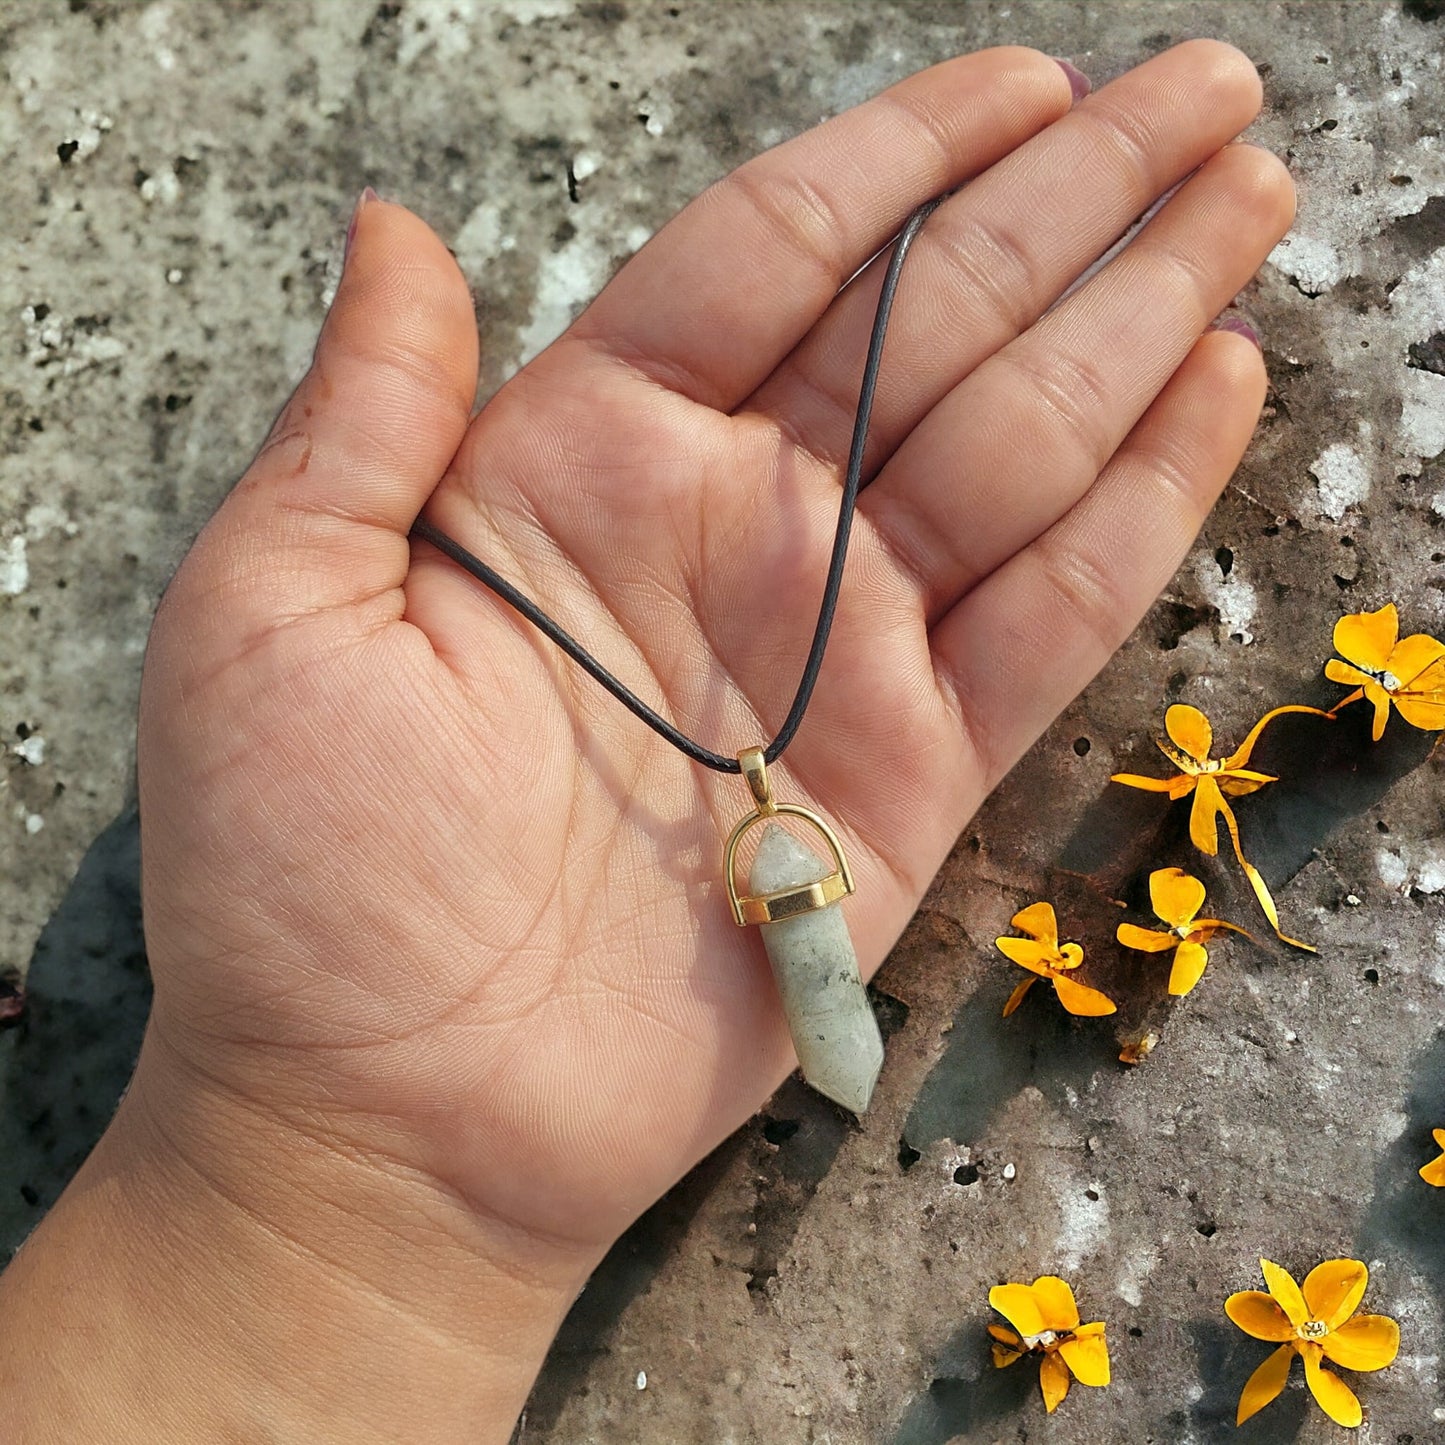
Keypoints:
pixel 834 1031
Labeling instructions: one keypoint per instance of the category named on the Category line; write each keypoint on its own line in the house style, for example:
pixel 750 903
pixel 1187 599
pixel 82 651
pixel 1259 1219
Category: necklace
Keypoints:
pixel 792 895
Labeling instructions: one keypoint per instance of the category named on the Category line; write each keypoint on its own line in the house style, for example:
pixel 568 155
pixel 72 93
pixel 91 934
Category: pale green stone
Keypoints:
pixel 835 1034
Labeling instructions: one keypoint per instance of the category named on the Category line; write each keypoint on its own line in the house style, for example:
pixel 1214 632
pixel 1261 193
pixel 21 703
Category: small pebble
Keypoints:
pixel 1009 1171
pixel 642 1379
pixel 34 823
pixel 30 750
pixel 1352 900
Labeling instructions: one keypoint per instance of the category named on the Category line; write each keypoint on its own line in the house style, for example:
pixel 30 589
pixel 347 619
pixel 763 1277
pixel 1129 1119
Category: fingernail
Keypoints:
pixel 365 199
pixel 1079 83
pixel 1233 321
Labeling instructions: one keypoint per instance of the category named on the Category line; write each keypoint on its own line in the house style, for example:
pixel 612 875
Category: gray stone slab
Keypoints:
pixel 175 182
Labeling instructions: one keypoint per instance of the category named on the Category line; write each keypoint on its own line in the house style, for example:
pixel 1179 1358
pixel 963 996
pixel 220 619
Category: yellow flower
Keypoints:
pixel 1042 954
pixel 1434 1172
pixel 1177 898
pixel 1409 673
pixel 1046 1320
pixel 1210 780
pixel 1318 1323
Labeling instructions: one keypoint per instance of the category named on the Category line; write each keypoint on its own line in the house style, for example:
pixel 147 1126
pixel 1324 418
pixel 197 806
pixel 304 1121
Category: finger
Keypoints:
pixel 713 303
pixel 1014 651
pixel 994 258
pixel 321 516
pixel 1018 442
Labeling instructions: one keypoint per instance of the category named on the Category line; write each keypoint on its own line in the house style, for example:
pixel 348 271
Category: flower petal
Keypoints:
pixel 1412 657
pixel 1189 729
pixel 1079 999
pixel 1138 780
pixel 1342 672
pixel 1204 816
pixel 1380 699
pixel 1265 1384
pixel 1367 1342
pixel 1259 1315
pixel 1088 1357
pixel 1147 940
pixel 1017 996
pixel 1241 782
pixel 1368 638
pixel 1427 714
pixel 1056 1303
pixel 1025 952
pixel 1333 1290
pixel 1188 968
pixel 1016 1303
pixel 1006 1349
pixel 1286 1292
pixel 1070 955
pixel 1175 895
pixel 1038 921
pixel 1053 1381
pixel 1434 1172
pixel 1422 702
pixel 1336 1398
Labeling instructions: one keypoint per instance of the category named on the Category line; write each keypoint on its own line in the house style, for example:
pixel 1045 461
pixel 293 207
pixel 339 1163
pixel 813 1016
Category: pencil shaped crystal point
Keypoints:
pixel 835 1034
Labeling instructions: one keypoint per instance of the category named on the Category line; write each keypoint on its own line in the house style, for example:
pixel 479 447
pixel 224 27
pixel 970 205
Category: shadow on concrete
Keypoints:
pixel 64 1067
pixel 1227 1358
pixel 989 1059
pixel 967 1393
pixel 1406 1215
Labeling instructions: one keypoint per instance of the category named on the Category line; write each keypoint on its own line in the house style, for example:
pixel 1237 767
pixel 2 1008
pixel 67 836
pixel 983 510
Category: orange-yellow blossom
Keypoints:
pixel 1177 897
pixel 1434 1172
pixel 1210 779
pixel 1385 668
pixel 1317 1323
pixel 1042 954
pixel 1045 1322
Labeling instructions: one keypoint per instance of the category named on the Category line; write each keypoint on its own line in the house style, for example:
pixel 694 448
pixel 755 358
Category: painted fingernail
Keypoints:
pixel 365 199
pixel 1079 83
pixel 1233 321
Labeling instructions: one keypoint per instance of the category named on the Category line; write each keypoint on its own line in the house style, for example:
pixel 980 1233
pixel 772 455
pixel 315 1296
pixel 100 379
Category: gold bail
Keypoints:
pixel 788 902
pixel 754 766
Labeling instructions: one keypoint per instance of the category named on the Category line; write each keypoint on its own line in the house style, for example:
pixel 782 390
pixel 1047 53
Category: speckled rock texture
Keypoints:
pixel 175 181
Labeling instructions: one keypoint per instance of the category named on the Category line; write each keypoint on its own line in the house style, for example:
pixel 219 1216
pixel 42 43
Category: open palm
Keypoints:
pixel 413 880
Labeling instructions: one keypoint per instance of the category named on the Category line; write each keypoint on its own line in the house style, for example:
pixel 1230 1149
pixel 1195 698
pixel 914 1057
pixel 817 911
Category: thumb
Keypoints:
pixel 321 517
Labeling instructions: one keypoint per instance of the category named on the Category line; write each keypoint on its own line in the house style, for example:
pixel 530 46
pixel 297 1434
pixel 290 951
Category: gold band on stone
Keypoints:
pixel 788 902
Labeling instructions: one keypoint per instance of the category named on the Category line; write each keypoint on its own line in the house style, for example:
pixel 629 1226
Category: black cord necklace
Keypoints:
pixel 851 485
pixel 842 1067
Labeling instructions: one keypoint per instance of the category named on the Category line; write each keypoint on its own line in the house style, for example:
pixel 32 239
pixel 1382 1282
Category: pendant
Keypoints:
pixel 794 898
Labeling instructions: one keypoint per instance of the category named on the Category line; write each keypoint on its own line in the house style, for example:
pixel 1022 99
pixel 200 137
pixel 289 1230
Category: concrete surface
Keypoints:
pixel 175 181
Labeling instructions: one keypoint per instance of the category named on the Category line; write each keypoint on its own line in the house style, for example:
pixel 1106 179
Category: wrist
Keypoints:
pixel 213 1273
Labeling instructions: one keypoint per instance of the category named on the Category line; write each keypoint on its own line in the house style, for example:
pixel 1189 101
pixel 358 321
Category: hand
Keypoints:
pixel 426 904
